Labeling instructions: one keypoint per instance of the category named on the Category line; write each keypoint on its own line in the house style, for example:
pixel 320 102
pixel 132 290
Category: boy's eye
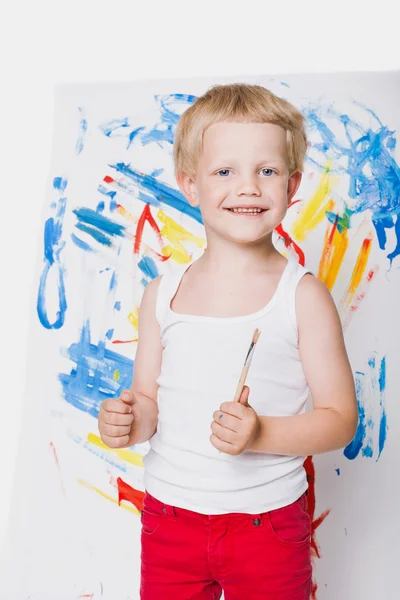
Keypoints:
pixel 225 172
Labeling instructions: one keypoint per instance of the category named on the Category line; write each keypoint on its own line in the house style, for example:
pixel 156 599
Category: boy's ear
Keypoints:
pixel 294 184
pixel 187 185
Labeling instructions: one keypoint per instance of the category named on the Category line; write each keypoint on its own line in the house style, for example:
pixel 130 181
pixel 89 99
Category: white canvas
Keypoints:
pixel 75 527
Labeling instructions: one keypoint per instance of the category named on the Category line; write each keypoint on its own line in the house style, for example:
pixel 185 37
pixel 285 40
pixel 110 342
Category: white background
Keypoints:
pixel 44 43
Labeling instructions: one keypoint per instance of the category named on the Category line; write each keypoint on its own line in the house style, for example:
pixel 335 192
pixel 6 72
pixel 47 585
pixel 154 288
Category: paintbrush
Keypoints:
pixel 246 365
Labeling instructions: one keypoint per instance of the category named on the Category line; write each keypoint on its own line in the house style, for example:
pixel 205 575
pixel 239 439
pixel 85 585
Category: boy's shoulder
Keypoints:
pixel 163 284
pixel 313 296
pixel 311 285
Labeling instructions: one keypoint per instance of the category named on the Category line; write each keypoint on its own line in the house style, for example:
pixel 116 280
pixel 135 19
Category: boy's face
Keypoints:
pixel 242 183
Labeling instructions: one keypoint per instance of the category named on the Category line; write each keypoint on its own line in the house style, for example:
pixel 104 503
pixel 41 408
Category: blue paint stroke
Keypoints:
pixel 83 129
pixel 353 449
pixel 113 281
pixel 95 233
pixel 367 158
pixel 113 125
pixel 148 267
pixel 383 421
pixel 363 440
pixel 81 244
pixel 148 199
pixel 103 455
pixel 101 228
pixel 133 134
pixel 103 190
pixel 60 184
pixel 92 217
pixel 171 108
pixel 159 192
pixel 53 245
pixel 117 305
pixel 92 380
pixel 337 472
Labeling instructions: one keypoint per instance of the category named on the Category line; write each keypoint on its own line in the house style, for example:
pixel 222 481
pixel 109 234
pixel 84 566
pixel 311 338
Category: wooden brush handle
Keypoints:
pixel 241 383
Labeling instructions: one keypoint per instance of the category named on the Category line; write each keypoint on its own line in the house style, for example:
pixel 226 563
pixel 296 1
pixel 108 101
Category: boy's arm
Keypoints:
pixel 147 365
pixel 333 422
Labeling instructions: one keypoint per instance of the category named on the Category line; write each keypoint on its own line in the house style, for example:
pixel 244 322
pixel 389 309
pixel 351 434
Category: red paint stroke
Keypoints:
pixel 108 179
pixel 54 453
pixel 146 216
pixel 328 247
pixel 356 304
pixel 293 203
pixel 289 243
pixel 160 257
pixel 163 258
pixel 314 588
pixel 124 341
pixel 128 493
pixel 315 522
pixel 86 596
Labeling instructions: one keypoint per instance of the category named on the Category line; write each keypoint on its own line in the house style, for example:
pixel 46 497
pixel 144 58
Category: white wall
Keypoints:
pixel 44 43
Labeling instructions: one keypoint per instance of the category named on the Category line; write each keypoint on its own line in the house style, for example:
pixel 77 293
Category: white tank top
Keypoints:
pixel 201 364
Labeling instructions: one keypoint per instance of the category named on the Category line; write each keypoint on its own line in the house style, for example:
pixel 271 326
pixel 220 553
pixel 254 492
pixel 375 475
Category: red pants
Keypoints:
pixel 186 555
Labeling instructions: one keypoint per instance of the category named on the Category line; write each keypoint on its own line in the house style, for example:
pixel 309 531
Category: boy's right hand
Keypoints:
pixel 119 419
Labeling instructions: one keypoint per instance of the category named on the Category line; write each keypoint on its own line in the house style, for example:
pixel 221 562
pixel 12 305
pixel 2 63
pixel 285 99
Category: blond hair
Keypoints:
pixel 237 102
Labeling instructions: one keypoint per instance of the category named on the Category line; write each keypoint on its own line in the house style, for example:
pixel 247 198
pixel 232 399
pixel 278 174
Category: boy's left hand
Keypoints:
pixel 235 426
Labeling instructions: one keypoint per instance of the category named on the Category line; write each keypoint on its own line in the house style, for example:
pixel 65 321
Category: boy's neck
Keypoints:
pixel 222 256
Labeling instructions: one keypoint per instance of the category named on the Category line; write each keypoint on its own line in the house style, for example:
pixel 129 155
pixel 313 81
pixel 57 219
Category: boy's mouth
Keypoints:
pixel 251 211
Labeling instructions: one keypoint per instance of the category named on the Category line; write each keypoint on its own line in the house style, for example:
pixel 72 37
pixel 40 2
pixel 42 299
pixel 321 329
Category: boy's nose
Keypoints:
pixel 248 187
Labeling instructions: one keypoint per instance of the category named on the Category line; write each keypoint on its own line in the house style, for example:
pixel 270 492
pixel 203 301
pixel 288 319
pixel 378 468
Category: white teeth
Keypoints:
pixel 251 211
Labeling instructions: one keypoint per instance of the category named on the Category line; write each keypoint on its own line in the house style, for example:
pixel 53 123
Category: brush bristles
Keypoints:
pixel 256 335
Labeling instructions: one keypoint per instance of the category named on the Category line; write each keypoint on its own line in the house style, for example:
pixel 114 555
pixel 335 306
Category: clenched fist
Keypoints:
pixel 236 426
pixel 119 419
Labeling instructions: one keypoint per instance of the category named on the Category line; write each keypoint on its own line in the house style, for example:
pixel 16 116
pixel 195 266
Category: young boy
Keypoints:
pixel 225 504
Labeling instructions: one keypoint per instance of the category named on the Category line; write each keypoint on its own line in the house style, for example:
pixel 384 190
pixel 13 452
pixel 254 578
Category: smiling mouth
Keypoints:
pixel 247 211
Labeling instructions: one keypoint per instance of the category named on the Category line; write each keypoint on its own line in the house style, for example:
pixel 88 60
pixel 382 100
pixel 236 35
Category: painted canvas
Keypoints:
pixel 113 219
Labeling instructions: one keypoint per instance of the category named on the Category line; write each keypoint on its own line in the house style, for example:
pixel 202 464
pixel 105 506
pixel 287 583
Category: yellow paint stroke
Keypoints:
pixel 126 214
pixel 333 253
pixel 122 453
pixel 133 318
pixel 171 231
pixel 107 497
pixel 314 211
pixel 359 268
pixel 176 234
pixel 117 375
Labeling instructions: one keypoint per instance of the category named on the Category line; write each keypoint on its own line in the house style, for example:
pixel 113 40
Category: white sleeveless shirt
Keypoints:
pixel 201 364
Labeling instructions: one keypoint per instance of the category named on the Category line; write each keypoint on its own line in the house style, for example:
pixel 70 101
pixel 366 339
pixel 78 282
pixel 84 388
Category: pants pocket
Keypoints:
pixel 150 522
pixel 152 515
pixel 291 525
